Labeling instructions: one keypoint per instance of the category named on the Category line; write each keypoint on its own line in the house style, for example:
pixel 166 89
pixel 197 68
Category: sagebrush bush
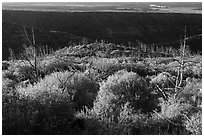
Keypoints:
pixel 194 124
pixel 48 106
pixel 45 114
pixel 24 73
pixel 191 93
pixel 79 87
pixel 36 109
pixel 8 84
pixel 57 65
pixel 5 65
pixel 9 74
pixel 131 122
pixel 22 70
pixel 177 112
pixel 107 67
pixel 124 87
pixel 197 70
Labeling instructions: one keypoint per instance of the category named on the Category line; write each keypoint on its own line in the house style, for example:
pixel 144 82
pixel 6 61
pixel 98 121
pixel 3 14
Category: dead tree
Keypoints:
pixel 32 43
pixel 179 78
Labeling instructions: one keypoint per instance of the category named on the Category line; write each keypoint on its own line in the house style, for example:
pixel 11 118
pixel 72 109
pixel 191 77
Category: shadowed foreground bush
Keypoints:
pixel 47 113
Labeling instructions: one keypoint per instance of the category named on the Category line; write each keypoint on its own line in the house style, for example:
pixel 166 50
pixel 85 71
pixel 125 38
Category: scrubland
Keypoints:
pixel 89 89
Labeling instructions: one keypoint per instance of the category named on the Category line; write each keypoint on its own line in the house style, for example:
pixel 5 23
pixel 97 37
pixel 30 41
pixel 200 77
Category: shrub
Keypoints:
pixel 194 124
pixel 79 87
pixel 84 89
pixel 46 114
pixel 8 84
pixel 24 73
pixel 163 79
pixel 130 122
pixel 36 110
pixel 21 71
pixel 121 125
pixel 124 87
pixel 107 67
pixel 5 65
pixel 56 65
pixel 9 74
pixel 47 106
pixel 197 70
pixel 176 112
pixel 191 93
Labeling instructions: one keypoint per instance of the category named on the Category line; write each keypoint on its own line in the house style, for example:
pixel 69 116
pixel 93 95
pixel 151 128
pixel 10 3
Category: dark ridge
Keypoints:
pixel 117 27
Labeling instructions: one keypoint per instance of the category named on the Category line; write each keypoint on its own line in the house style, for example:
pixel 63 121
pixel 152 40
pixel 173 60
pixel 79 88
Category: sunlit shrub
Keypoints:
pixel 8 84
pixel 131 122
pixel 124 87
pixel 80 88
pixel 191 93
pixel 57 65
pixel 194 124
pixel 5 65
pixel 197 70
pixel 107 67
pixel 121 125
pixel 37 109
pixel 177 113
pixel 9 74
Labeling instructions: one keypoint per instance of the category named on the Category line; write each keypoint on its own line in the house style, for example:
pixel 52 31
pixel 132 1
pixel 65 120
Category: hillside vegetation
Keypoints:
pixel 58 29
pixel 102 89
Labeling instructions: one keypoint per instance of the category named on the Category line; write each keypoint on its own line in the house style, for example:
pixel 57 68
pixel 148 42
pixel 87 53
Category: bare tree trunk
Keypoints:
pixel 179 78
pixel 182 58
pixel 35 53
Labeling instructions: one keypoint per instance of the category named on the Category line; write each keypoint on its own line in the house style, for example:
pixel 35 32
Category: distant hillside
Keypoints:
pixel 117 27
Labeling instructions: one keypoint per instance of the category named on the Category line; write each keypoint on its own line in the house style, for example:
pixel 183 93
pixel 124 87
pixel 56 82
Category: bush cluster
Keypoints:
pixel 113 96
pixel 48 106
pixel 80 88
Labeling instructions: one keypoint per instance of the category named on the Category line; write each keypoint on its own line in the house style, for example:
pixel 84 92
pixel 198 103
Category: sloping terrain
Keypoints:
pixel 117 27
pixel 76 91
